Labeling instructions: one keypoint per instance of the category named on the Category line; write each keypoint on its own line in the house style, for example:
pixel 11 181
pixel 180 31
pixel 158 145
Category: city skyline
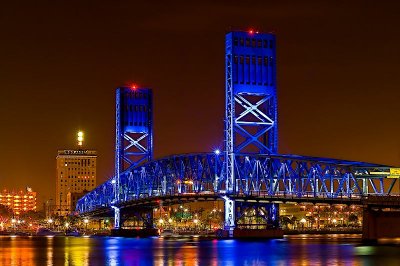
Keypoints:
pixel 335 80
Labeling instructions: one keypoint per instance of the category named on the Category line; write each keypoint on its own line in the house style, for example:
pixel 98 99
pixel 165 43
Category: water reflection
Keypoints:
pixel 295 250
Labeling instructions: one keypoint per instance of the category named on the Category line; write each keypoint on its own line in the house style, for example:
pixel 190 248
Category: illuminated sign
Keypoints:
pixel 76 152
pixel 394 173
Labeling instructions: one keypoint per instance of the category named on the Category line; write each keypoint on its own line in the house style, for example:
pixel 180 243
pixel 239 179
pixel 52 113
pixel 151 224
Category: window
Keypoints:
pixel 235 41
pixel 265 43
pixel 241 42
pixel 265 61
pixel 247 42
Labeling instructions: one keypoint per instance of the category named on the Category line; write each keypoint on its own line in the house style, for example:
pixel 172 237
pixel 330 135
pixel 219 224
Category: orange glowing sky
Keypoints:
pixel 338 77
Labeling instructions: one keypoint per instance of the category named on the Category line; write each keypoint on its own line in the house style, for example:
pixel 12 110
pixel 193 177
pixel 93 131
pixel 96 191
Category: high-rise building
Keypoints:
pixel 19 201
pixel 76 174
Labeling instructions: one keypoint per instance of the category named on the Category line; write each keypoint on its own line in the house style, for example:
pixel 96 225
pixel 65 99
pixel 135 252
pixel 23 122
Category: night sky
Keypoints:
pixel 60 62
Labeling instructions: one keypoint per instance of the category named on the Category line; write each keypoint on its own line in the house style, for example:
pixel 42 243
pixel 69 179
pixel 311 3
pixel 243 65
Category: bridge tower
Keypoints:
pixel 251 111
pixel 133 134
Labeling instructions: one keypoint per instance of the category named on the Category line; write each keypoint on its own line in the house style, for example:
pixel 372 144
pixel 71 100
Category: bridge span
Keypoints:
pixel 262 180
pixel 248 173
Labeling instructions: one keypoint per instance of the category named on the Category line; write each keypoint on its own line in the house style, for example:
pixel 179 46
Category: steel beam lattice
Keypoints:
pixel 278 176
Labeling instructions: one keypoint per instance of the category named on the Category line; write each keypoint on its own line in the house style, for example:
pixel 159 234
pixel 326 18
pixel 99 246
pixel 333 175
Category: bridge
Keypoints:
pixel 249 173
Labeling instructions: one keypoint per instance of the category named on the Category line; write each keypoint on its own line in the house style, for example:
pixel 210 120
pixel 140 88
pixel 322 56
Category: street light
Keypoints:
pixel 217 151
pixel 302 221
pixel 86 221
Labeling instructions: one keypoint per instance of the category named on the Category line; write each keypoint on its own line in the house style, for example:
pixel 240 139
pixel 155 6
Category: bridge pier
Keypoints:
pixel 117 217
pixel 244 219
pixel 380 223
pixel 134 223
pixel 229 222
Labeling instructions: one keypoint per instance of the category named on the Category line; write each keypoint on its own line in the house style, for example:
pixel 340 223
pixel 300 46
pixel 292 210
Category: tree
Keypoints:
pixel 353 219
pixel 6 213
pixel 32 216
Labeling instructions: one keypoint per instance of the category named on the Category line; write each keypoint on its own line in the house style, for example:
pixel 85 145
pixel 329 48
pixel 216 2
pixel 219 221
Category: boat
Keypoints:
pixel 47 232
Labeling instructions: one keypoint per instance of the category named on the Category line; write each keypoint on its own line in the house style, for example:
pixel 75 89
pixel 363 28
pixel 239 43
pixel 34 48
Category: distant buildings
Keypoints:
pixel 19 201
pixel 76 175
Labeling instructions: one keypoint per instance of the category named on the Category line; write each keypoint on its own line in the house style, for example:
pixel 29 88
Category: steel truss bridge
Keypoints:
pixel 249 173
pixel 268 178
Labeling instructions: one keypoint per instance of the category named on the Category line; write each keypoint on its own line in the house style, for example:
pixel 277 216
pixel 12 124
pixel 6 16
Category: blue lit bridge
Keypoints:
pixel 248 173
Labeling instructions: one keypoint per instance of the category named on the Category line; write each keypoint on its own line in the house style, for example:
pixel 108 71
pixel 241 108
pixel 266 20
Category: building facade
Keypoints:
pixel 76 174
pixel 19 201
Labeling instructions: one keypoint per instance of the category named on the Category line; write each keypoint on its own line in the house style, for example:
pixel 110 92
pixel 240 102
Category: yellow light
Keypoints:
pixel 80 138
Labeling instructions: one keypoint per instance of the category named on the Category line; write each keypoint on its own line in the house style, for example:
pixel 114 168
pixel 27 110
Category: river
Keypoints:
pixel 292 250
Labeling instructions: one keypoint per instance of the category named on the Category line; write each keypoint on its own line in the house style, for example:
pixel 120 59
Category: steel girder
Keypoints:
pixel 275 175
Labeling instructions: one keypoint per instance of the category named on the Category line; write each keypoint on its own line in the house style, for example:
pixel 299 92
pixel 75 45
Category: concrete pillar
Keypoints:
pixel 380 224
pixel 117 217
pixel 229 215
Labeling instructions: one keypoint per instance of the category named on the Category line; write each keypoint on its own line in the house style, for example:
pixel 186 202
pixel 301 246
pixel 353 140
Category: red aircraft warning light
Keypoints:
pixel 251 31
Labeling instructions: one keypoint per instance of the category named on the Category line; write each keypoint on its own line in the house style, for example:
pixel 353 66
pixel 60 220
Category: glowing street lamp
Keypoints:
pixel 66 225
pixel 86 221
pixel 217 152
pixel 303 222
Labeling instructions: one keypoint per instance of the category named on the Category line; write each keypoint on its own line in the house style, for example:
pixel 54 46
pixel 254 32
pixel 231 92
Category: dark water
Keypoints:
pixel 295 250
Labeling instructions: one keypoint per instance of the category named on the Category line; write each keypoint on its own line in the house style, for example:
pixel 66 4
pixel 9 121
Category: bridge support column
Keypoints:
pixel 117 217
pixel 229 220
pixel 378 223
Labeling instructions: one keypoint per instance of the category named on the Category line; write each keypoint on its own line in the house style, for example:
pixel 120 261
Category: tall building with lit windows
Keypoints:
pixel 76 175
pixel 19 201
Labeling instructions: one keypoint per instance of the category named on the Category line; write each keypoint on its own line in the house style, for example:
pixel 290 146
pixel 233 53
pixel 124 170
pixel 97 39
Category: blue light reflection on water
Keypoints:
pixel 296 250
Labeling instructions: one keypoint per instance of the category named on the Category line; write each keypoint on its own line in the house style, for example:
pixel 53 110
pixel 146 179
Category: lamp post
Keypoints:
pixel 50 221
pixel 13 221
pixel 302 221
pixel 86 221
